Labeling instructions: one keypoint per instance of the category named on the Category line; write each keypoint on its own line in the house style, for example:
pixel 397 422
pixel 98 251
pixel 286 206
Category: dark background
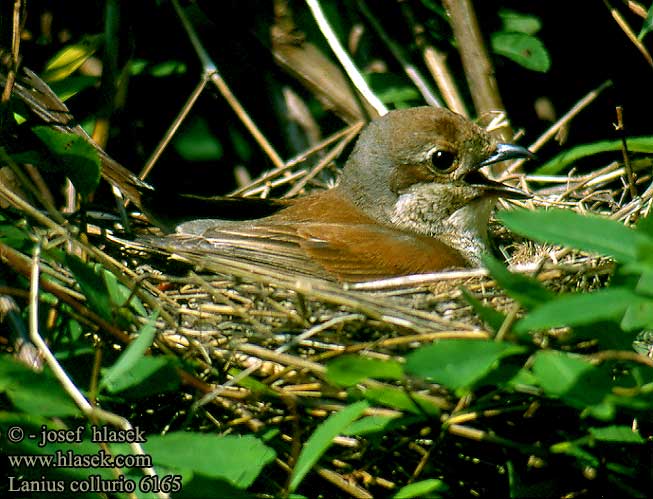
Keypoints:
pixel 585 44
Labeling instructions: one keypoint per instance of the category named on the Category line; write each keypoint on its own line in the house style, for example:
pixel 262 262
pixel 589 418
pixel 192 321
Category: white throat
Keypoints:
pixel 464 230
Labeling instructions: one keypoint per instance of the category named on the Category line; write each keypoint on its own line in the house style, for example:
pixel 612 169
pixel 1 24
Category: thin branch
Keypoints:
pixel 337 150
pixel 621 130
pixel 636 8
pixel 267 177
pixel 625 27
pixel 563 121
pixel 15 52
pixel 85 406
pixel 436 63
pixel 342 55
pixel 172 129
pixel 213 73
pixel 476 60
pixel 410 69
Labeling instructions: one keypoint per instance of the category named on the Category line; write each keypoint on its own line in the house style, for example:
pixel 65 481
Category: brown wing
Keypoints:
pixel 364 252
pixel 348 252
pixel 274 247
pixel 344 244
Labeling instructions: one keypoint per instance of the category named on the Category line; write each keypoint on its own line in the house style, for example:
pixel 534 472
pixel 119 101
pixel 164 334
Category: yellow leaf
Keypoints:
pixel 71 57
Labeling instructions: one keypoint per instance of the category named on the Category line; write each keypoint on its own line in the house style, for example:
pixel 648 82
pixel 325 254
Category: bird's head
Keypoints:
pixel 419 169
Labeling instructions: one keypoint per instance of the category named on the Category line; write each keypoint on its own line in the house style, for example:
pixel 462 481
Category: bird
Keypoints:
pixel 411 199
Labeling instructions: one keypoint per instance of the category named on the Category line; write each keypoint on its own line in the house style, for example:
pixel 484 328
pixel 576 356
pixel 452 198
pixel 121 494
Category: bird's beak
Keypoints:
pixel 503 152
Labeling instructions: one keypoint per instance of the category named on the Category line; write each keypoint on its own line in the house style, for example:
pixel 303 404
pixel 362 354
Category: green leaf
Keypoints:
pixel 645 224
pixel 570 156
pixel 119 294
pixel 73 156
pixel 349 370
pixel 493 318
pixel 423 488
pixel 638 316
pixel 435 7
pixel 558 373
pixel 643 343
pixel 127 370
pixel 15 237
pixel 523 484
pixel 236 459
pixel 574 380
pixel 137 66
pixel 252 384
pixel 523 379
pixel 576 309
pixel 575 450
pixel 526 50
pixel 647 25
pixel 504 375
pixel 393 89
pixel 527 291
pixel 458 363
pixel 168 68
pixel 241 145
pixel 369 424
pixel 397 398
pixel 584 232
pixel 106 296
pixel 519 22
pixel 72 85
pixel 321 440
pixel 92 285
pixel 644 284
pixel 71 57
pixel 38 394
pixel 199 485
pixel 195 142
pixel 617 434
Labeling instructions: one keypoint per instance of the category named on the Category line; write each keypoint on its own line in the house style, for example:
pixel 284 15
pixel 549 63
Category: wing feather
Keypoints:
pixel 349 252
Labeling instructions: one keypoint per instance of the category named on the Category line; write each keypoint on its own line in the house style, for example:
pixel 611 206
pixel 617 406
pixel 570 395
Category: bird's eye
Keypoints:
pixel 443 161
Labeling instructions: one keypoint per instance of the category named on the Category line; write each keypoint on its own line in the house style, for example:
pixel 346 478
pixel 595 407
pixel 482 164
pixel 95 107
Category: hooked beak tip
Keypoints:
pixel 505 152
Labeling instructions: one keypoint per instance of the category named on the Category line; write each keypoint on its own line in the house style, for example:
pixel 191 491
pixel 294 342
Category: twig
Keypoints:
pixel 508 322
pixel 349 488
pixel 621 130
pixel 625 27
pixel 211 71
pixel 476 61
pixel 563 121
pixel 416 280
pixel 45 197
pixel 264 190
pixel 15 52
pixel 606 355
pixel 265 178
pixel 342 55
pixel 337 150
pixel 89 411
pixel 410 69
pixel 124 274
pixel 436 63
pixel 636 8
pixel 277 356
pixel 483 436
pixel 172 129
